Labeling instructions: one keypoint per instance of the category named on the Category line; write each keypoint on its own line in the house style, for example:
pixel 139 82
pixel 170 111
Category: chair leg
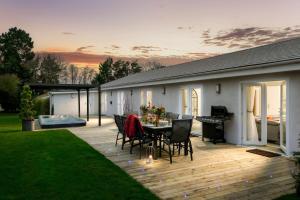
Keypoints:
pixel 117 138
pixel 123 142
pixel 191 149
pixel 141 147
pixel 173 149
pixel 170 153
pixel 179 147
pixel 131 145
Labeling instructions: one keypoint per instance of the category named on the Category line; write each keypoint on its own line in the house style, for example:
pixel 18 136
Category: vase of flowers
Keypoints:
pixel 158 112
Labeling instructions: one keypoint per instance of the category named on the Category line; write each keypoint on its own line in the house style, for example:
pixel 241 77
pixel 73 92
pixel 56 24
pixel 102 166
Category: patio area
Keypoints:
pixel 221 171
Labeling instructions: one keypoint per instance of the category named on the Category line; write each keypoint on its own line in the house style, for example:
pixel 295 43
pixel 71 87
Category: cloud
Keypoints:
pixel 115 47
pixel 68 33
pixel 241 38
pixel 145 49
pixel 93 60
pixel 184 27
pixel 84 48
pixel 201 55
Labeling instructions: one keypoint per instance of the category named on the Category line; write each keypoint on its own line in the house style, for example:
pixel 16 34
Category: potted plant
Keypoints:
pixel 26 109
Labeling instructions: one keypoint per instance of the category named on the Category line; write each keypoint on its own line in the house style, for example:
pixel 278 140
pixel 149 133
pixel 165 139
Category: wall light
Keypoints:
pixel 218 88
pixel 164 90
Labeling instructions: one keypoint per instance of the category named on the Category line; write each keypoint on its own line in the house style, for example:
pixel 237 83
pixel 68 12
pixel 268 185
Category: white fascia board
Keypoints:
pixel 216 75
pixel 71 92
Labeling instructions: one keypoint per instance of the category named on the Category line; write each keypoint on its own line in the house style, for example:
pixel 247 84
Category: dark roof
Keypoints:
pixel 270 54
pixel 61 86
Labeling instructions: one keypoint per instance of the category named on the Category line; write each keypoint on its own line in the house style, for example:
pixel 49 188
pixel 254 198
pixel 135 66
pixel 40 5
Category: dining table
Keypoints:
pixel 156 133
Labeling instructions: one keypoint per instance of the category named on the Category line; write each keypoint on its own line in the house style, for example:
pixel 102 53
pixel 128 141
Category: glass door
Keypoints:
pixel 283 116
pixel 185 103
pixel 254 114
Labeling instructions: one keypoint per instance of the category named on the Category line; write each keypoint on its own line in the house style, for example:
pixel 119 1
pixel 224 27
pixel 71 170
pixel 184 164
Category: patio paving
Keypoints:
pixel 221 171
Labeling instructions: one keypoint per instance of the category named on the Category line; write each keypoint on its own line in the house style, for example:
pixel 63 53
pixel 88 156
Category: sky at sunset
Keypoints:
pixel 85 32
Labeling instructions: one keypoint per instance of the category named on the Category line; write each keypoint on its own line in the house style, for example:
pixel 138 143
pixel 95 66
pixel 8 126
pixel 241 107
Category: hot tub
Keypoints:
pixel 60 121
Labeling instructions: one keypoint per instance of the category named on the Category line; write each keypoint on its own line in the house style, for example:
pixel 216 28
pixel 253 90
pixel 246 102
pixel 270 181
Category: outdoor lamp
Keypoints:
pixel 164 90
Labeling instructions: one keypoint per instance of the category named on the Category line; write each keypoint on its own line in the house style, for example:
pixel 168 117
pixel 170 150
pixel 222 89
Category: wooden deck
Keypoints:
pixel 221 171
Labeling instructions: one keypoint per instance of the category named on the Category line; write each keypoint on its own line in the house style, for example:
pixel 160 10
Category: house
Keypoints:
pixel 259 85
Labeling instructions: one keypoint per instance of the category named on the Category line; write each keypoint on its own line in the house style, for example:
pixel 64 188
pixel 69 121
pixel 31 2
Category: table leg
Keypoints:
pixel 160 136
pixel 155 148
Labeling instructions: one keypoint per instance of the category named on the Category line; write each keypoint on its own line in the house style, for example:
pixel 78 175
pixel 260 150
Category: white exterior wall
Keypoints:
pixel 294 114
pixel 66 103
pixel 230 97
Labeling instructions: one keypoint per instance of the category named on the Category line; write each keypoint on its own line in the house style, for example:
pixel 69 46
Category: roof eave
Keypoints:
pixel 210 75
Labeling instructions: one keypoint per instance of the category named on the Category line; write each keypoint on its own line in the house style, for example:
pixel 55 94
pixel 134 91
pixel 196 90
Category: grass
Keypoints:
pixel 289 197
pixel 57 165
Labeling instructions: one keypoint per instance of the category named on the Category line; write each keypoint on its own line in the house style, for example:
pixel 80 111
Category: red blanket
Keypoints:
pixel 132 124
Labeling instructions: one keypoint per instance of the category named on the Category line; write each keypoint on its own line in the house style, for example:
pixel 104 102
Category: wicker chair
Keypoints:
pixel 142 138
pixel 120 121
pixel 172 116
pixel 187 117
pixel 180 135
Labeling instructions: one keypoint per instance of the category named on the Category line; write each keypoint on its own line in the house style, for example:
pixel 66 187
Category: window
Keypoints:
pixel 146 97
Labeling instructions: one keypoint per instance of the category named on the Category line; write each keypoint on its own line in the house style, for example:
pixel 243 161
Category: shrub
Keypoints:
pixel 26 104
pixel 9 92
pixel 41 105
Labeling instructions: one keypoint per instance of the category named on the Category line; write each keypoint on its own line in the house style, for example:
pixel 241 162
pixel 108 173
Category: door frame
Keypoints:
pixel 190 87
pixel 287 83
pixel 263 140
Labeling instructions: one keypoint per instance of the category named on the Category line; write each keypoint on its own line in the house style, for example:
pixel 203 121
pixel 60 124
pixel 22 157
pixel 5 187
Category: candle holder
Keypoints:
pixel 149 154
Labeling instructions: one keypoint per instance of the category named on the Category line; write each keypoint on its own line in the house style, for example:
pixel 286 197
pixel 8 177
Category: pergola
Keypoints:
pixel 77 87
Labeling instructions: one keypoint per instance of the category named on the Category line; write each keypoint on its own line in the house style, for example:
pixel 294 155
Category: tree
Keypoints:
pixel 91 75
pixel 120 69
pixel 135 67
pixel 152 65
pixel 9 92
pixel 109 70
pixel 51 67
pixel 35 68
pixel 105 72
pixel 15 51
pixel 64 75
pixel 84 74
pixel 73 71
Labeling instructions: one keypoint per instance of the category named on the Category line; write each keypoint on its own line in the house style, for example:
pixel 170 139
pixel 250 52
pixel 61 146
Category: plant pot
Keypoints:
pixel 27 125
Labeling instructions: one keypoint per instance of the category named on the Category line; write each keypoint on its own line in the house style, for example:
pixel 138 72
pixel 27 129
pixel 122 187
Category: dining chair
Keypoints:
pixel 180 134
pixel 187 117
pixel 120 121
pixel 141 137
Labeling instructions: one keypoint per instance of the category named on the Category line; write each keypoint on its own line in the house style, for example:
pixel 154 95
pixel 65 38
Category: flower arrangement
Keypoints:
pixel 158 112
pixel 144 112
pixel 144 109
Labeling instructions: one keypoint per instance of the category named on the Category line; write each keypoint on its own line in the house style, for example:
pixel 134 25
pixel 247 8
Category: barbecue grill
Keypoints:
pixel 213 126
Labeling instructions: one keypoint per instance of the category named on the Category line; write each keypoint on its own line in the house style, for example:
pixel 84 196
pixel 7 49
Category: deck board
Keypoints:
pixel 221 171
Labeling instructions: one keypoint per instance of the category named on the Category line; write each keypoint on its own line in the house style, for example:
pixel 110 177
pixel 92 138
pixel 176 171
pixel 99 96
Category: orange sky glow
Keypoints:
pixel 167 31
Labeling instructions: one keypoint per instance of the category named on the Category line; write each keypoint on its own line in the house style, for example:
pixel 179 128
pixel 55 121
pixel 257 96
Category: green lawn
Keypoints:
pixel 289 197
pixel 58 165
